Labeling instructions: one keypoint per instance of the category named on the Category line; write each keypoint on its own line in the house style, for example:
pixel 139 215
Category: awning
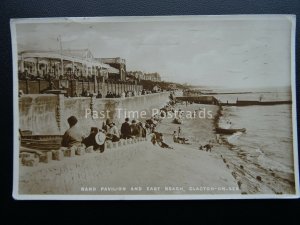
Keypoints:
pixel 113 70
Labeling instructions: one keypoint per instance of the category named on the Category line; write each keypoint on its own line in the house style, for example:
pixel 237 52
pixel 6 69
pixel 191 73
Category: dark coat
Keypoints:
pixel 125 130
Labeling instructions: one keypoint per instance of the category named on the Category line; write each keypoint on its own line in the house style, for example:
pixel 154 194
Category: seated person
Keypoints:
pixel 113 133
pixel 161 142
pixel 73 136
pixel 178 139
pixel 90 140
pixel 135 130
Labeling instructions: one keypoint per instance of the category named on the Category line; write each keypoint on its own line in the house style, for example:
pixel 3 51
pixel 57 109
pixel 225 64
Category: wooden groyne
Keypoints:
pixel 249 103
pixel 205 99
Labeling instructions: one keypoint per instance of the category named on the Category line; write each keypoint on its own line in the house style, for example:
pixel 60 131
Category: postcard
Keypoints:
pixel 162 107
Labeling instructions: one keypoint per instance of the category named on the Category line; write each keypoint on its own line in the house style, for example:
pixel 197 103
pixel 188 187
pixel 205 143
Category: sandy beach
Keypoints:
pixel 141 168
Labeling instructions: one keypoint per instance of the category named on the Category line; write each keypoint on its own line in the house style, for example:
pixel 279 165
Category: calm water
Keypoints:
pixel 268 141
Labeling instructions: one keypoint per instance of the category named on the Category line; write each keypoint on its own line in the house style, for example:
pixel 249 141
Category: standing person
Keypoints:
pixel 125 129
pixel 73 136
pixel 179 131
pixel 175 137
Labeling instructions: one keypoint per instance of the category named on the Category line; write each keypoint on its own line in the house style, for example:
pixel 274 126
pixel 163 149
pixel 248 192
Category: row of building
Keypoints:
pixel 78 63
pixel 70 62
pixel 145 76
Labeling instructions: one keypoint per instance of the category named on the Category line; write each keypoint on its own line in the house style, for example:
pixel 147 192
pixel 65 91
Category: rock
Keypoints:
pixel 31 161
pixel 69 152
pixel 89 149
pixel 119 143
pixel 108 144
pixel 63 148
pixel 241 166
pixel 80 150
pixel 224 160
pixel 46 158
pixel 57 154
pixel 258 178
pixel 27 155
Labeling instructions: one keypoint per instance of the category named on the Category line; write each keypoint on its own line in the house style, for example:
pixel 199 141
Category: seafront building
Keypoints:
pixel 118 64
pixel 155 77
pixel 63 64
pixel 77 72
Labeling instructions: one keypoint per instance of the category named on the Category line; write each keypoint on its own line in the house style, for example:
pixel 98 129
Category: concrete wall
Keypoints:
pixel 47 114
pixel 38 113
pixel 72 87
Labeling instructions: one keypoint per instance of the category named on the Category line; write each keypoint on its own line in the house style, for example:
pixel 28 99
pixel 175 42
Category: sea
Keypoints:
pixel 268 140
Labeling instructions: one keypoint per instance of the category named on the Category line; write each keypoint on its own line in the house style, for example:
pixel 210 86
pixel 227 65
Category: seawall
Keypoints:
pixel 47 113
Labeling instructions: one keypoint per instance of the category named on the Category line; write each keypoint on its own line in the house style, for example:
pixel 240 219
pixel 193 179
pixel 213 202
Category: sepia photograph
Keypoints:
pixel 158 107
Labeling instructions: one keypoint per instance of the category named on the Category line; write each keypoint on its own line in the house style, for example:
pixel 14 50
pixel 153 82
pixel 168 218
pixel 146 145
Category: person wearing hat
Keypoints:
pixel 73 136
pixel 134 128
pixel 90 140
pixel 100 139
pixel 125 129
pixel 113 133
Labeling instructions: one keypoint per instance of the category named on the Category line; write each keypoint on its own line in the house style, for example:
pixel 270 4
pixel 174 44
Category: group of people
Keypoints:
pixel 110 132
pixel 97 137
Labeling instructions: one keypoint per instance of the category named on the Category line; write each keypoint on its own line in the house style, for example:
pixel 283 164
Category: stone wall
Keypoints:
pixel 47 114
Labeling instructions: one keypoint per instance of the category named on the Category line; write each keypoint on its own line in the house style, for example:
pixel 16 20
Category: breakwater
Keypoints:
pixel 249 103
pixel 204 99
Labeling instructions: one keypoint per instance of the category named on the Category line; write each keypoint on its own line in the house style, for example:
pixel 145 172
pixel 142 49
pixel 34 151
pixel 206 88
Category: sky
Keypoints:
pixel 235 52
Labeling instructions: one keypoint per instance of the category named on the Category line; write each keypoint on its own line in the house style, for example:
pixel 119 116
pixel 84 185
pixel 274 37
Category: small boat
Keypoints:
pixel 229 131
pixel 40 142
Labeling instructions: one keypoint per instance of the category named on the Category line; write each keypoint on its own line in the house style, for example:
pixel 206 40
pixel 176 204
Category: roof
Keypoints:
pixel 83 56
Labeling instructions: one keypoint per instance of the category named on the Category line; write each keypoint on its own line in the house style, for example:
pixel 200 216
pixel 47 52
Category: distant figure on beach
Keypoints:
pixel 160 141
pixel 73 136
pixel 180 140
pixel 157 137
pixel 125 129
pixel 179 131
